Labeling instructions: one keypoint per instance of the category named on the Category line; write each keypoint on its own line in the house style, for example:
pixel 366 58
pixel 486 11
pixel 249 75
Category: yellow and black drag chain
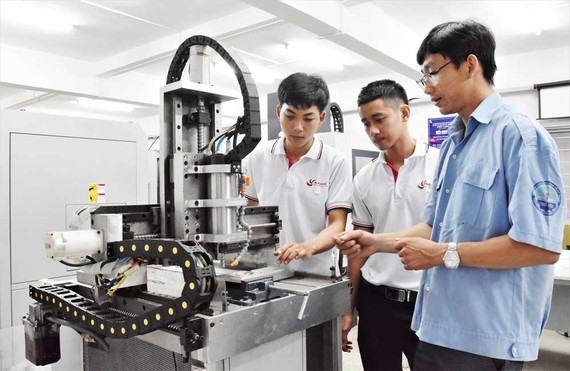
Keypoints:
pixel 199 288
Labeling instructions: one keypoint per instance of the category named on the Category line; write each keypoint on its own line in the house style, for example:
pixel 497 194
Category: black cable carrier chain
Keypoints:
pixel 338 122
pixel 196 264
pixel 251 115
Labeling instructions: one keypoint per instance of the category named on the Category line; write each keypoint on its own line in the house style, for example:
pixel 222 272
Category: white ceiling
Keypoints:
pixel 511 21
pixel 113 41
pixel 99 33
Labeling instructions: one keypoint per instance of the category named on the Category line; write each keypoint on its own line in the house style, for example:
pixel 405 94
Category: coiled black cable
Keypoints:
pixel 76 265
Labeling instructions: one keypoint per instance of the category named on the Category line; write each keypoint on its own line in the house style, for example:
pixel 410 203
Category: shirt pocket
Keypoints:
pixel 477 194
pixel 316 200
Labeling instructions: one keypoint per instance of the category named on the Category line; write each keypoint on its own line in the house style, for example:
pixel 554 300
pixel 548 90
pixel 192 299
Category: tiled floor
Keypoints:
pixel 554 354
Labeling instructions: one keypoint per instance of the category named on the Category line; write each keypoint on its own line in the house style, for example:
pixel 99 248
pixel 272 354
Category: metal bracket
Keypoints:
pixel 224 202
pixel 221 238
pixel 208 169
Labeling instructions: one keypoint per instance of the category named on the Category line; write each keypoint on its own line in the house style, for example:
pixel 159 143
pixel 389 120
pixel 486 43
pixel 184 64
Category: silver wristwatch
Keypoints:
pixel 451 257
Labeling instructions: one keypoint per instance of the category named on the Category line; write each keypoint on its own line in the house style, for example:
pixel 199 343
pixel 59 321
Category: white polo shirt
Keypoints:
pixel 386 205
pixel 305 193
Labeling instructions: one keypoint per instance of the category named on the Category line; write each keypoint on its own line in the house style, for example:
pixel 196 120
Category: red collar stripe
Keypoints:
pixel 274 145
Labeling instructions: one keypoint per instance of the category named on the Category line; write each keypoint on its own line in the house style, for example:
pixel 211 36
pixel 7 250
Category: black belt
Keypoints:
pixel 392 293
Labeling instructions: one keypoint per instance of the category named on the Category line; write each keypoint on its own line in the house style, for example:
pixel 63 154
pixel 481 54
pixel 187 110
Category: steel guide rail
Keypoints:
pixel 199 288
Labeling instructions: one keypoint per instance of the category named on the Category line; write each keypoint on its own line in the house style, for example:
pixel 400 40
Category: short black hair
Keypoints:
pixel 456 40
pixel 388 90
pixel 302 90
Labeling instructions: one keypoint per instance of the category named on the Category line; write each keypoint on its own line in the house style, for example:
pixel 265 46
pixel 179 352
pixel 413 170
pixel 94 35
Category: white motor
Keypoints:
pixel 74 244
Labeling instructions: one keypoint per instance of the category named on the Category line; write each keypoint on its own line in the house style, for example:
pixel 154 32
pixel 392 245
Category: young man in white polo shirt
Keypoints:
pixel 307 179
pixel 388 195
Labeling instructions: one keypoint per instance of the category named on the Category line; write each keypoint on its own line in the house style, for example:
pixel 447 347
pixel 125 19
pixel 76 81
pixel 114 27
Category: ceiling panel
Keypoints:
pixel 179 15
pixel 512 22
pixel 71 104
pixel 7 91
pixel 279 50
pixel 99 33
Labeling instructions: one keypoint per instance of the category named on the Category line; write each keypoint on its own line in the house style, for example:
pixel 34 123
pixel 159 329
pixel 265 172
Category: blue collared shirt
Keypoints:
pixel 499 176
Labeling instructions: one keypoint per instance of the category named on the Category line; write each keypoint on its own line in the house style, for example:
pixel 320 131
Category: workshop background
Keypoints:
pixel 75 63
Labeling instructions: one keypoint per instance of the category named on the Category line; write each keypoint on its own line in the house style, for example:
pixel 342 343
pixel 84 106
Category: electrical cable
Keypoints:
pixel 175 365
pixel 203 148
pixel 107 262
pixel 98 338
pixel 220 134
pixel 152 144
pixel 238 125
pixel 220 141
pixel 122 277
pixel 122 280
pixel 75 265
pixel 227 133
pixel 235 139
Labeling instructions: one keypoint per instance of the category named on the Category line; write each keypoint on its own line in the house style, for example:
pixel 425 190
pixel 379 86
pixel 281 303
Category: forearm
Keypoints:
pixel 354 273
pixel 325 239
pixel 385 242
pixel 503 253
pixel 500 252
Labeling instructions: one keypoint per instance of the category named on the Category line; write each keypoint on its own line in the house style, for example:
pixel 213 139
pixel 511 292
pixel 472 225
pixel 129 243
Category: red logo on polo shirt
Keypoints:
pixel 424 184
pixel 315 183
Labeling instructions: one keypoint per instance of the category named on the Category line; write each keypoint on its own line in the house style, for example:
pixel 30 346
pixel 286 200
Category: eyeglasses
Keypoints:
pixel 429 78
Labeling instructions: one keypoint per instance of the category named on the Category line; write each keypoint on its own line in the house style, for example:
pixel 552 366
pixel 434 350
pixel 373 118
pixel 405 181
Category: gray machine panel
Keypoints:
pixel 243 333
pixel 274 319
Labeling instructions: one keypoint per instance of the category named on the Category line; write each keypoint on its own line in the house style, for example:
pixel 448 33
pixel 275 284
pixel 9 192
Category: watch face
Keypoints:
pixel 451 259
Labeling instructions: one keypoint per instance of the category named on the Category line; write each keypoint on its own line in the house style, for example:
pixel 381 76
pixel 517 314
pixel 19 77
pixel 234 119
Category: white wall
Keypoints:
pixel 525 102
pixel 527 69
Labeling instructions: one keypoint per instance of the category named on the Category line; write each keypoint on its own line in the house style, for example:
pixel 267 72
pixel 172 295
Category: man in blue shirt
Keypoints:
pixel 493 225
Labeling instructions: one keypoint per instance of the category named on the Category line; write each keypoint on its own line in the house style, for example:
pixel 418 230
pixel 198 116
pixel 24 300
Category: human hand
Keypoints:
pixel 420 253
pixel 293 250
pixel 347 324
pixel 353 243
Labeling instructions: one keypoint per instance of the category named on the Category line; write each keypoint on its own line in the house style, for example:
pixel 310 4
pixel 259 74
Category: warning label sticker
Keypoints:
pixel 97 193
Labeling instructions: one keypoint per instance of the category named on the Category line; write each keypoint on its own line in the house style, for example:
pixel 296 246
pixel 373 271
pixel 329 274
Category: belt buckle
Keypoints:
pixel 399 295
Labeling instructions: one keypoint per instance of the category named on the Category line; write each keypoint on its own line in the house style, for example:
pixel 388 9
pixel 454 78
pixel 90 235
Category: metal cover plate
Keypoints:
pixel 212 93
